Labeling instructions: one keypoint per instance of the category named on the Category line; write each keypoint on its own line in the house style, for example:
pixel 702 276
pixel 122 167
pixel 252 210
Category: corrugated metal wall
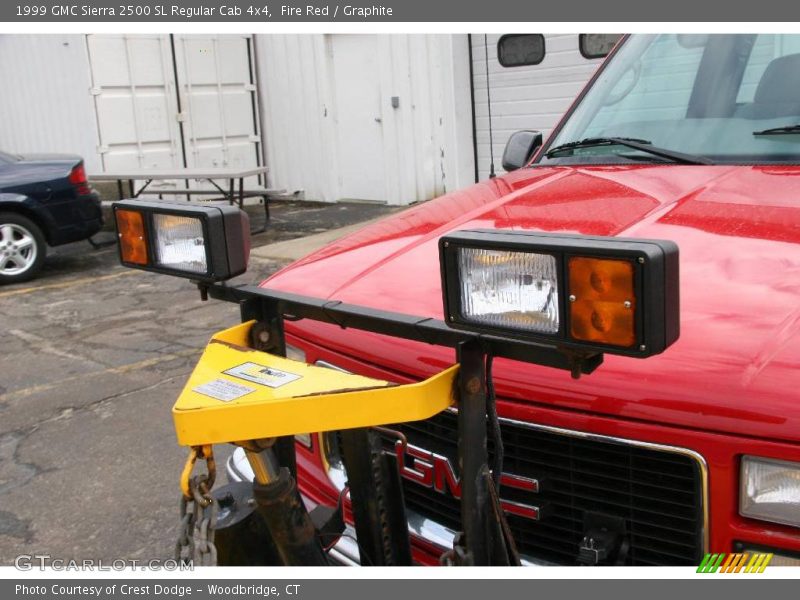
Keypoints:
pixel 314 141
pixel 45 104
pixel 529 97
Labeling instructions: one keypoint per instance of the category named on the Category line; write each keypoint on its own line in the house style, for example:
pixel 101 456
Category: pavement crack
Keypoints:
pixel 15 395
pixel 66 412
pixel 145 388
pixel 14 472
pixel 42 345
pixel 12 526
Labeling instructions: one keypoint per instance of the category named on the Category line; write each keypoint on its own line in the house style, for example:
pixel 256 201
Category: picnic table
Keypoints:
pixel 213 175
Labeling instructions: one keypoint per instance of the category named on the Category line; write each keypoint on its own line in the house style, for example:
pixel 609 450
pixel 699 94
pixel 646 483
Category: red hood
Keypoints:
pixel 735 366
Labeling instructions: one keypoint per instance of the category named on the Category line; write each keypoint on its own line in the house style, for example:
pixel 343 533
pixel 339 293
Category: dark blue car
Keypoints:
pixel 45 200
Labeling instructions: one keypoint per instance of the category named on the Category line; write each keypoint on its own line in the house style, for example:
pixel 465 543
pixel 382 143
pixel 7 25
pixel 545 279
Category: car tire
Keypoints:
pixel 22 248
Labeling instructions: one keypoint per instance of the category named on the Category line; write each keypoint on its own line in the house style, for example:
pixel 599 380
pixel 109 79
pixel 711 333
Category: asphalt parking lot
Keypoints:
pixel 92 358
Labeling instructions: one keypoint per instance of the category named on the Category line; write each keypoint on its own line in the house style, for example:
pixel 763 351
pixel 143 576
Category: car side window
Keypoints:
pixel 520 49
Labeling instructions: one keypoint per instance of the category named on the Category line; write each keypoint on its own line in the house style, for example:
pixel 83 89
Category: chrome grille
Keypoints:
pixel 658 491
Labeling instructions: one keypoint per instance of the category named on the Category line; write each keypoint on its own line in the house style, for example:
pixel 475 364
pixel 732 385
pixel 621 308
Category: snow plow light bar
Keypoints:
pixel 615 295
pixel 203 243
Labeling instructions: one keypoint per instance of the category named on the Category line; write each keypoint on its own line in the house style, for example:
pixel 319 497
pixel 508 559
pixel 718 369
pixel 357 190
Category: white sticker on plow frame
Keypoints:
pixel 221 389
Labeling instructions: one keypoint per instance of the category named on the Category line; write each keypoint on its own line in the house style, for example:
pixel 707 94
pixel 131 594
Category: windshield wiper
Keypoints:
pixel 635 143
pixel 785 130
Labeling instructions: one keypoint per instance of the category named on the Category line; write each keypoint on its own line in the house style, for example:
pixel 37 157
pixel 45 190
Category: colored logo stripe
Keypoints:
pixel 735 563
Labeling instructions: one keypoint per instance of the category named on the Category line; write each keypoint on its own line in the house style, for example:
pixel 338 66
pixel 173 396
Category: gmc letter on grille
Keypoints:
pixel 435 471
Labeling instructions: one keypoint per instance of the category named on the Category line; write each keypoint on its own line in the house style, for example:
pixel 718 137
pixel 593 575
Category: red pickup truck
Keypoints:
pixel 690 138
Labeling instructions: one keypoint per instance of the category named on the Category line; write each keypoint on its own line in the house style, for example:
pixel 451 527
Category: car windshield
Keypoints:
pixel 732 99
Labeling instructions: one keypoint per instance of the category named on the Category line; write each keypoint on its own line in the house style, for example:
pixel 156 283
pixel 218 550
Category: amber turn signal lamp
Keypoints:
pixel 132 243
pixel 602 301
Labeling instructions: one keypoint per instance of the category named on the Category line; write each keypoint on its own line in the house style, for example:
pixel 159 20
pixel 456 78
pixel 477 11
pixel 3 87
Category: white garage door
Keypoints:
pixel 174 101
pixel 359 100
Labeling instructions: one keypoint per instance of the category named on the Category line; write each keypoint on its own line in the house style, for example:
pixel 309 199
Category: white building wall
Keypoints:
pixel 296 134
pixel 424 144
pixel 45 104
pixel 529 97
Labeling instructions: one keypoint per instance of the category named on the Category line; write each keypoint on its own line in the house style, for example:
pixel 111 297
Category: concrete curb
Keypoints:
pixel 302 246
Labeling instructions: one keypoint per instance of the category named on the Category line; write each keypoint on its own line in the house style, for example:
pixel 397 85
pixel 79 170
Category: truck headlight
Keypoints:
pixel 770 490
pixel 204 243
pixel 295 353
pixel 605 294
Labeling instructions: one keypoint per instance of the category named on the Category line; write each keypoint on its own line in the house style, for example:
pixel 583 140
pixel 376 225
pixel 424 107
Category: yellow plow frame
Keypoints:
pixel 236 393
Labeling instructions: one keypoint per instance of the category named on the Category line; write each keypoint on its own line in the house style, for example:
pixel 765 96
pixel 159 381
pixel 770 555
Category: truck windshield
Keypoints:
pixel 729 99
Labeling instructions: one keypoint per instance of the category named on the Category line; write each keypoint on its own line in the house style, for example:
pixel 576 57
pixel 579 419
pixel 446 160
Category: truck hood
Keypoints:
pixel 734 368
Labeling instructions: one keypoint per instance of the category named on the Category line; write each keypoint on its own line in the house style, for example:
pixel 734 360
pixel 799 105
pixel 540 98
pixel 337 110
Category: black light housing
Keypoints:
pixel 588 293
pixel 204 243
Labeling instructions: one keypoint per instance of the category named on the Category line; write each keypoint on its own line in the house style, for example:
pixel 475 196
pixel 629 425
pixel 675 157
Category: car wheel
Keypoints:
pixel 22 248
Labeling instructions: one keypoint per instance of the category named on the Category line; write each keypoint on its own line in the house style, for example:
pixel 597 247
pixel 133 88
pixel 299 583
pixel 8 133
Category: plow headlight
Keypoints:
pixel 508 289
pixel 204 243
pixel 609 294
pixel 179 243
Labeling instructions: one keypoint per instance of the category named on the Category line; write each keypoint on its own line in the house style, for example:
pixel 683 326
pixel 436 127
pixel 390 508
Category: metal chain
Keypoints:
pixel 184 547
pixel 198 515
pixel 205 522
